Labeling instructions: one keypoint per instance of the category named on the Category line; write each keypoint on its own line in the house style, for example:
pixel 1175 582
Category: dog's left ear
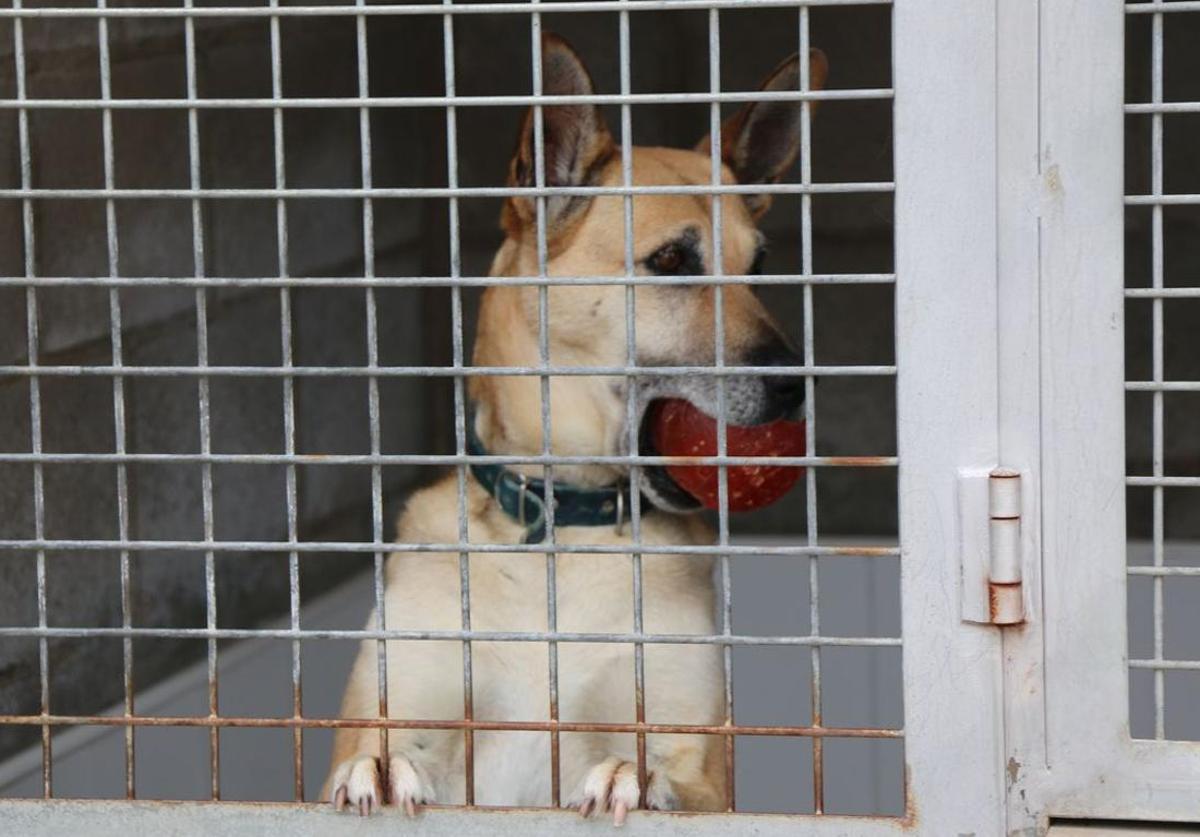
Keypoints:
pixel 760 142
pixel 575 142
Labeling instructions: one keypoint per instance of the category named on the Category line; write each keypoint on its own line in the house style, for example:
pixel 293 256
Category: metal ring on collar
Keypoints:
pixel 539 523
pixel 522 490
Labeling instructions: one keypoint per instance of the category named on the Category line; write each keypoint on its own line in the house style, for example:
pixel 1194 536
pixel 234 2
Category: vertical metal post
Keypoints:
pixel 1156 309
pixel 35 391
pixel 810 413
pixel 717 269
pixel 368 222
pixel 539 155
pixel 631 397
pixel 202 396
pixel 460 402
pixel 945 261
pixel 118 390
pixel 289 402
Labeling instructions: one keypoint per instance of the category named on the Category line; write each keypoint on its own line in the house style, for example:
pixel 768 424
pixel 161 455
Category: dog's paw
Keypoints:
pixel 356 783
pixel 612 785
pixel 660 794
pixel 408 785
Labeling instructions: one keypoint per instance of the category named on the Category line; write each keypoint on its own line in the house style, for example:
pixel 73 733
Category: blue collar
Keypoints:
pixel 524 499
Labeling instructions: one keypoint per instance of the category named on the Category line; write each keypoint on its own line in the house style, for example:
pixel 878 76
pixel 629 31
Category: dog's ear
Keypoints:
pixel 576 143
pixel 760 142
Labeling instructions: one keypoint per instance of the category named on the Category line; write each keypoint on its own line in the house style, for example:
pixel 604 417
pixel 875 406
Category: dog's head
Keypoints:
pixel 672 236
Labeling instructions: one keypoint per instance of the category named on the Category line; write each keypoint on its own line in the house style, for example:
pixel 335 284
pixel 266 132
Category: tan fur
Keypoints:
pixel 684 683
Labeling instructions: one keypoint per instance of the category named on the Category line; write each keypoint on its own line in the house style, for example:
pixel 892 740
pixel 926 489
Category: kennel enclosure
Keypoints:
pixel 1011 314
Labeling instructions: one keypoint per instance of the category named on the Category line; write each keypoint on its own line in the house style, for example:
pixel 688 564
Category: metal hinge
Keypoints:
pixel 989 517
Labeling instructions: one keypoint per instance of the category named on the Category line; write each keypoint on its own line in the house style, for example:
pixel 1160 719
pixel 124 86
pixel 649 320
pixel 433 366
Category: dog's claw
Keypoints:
pixel 356 785
pixel 610 786
pixel 409 788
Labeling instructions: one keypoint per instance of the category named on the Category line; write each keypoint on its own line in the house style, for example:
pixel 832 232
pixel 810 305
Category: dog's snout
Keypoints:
pixel 784 392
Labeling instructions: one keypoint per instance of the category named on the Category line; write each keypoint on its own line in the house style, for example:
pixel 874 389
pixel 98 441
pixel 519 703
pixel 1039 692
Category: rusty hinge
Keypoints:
pixel 989 517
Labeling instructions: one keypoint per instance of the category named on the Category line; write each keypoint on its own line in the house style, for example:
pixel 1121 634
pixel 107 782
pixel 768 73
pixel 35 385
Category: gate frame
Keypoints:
pixel 1068 749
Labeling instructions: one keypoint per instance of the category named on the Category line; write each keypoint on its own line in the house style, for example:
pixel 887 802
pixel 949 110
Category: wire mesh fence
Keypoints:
pixel 220 260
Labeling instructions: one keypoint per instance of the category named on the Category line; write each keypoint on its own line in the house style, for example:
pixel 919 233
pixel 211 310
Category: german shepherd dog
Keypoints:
pixel 684 684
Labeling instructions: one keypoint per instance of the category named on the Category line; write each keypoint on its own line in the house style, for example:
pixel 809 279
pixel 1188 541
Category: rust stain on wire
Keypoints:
pixel 859 461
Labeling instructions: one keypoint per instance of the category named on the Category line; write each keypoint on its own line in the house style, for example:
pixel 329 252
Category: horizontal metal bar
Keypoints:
pixel 517 100
pixel 1166 665
pixel 1162 293
pixel 450 635
pixel 398 723
pixel 1157 8
pixel 426 10
pixel 1162 200
pixel 443 281
pixel 1169 482
pixel 1163 107
pixel 1165 571
pixel 371 547
pixel 1162 386
pixel 863 188
pixel 436 459
pixel 72 371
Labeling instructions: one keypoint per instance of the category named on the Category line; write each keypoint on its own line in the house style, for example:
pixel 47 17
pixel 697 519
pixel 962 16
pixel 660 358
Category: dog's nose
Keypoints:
pixel 784 392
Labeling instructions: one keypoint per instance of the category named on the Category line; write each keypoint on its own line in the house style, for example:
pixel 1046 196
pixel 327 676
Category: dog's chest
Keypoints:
pixel 592 592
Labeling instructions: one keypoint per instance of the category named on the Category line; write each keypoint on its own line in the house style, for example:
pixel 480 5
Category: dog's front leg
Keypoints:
pixel 417 760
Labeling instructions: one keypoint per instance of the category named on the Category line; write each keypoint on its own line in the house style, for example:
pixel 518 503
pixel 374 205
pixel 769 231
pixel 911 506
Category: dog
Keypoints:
pixel 674 325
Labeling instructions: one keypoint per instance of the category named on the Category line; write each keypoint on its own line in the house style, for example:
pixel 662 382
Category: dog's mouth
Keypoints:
pixel 663 491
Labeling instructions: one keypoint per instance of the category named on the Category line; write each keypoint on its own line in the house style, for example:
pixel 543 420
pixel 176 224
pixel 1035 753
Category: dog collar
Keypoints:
pixel 524 498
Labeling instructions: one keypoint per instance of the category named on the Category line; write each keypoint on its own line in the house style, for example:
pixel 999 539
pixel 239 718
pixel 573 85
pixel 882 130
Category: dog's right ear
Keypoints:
pixel 576 144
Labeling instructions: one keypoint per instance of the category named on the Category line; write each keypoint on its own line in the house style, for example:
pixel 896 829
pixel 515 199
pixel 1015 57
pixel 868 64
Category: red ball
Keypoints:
pixel 680 429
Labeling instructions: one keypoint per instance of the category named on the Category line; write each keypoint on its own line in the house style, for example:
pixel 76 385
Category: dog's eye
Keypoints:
pixel 668 260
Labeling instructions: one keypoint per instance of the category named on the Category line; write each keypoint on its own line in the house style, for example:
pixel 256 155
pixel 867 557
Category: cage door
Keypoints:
pixel 1069 750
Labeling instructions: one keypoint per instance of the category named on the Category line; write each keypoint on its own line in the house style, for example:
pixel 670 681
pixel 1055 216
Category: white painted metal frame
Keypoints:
pixel 946 400
pixel 1068 751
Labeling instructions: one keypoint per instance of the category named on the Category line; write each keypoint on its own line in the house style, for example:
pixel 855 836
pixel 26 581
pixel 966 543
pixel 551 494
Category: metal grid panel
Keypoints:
pixel 197 196
pixel 1163 663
